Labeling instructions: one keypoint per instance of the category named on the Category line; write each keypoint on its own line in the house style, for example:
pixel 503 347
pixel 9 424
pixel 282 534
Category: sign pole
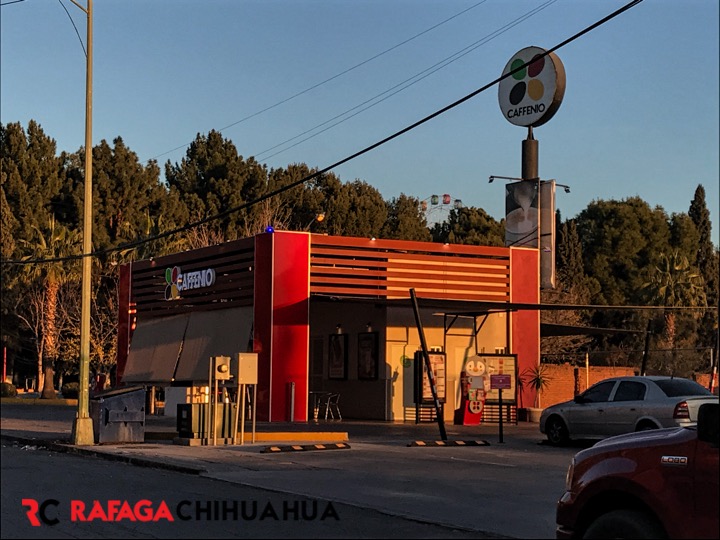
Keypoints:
pixel 501 415
pixel 431 376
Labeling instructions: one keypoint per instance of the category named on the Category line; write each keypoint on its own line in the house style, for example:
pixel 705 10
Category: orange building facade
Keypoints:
pixel 326 313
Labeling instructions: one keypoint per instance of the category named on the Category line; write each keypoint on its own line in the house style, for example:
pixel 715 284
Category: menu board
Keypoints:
pixel 438 364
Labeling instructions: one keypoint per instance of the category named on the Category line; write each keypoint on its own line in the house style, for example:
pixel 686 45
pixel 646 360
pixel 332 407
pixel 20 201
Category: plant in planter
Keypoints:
pixel 536 378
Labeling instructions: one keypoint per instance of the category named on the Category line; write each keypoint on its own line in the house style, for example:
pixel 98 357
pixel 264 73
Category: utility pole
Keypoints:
pixel 83 427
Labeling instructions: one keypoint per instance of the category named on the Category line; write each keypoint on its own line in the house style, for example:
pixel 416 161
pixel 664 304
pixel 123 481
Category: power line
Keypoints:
pixel 407 83
pixel 357 154
pixel 348 70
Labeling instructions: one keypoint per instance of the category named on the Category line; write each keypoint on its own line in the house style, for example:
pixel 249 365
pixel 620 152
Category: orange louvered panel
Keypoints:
pixel 344 266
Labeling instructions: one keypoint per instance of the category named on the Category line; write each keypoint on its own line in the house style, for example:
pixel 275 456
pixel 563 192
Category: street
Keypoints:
pixel 29 473
pixel 380 485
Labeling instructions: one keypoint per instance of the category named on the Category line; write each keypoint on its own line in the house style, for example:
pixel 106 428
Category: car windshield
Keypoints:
pixel 682 387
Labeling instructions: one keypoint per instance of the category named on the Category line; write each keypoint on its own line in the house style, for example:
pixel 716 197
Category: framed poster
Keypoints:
pixel 368 356
pixel 487 365
pixel 337 356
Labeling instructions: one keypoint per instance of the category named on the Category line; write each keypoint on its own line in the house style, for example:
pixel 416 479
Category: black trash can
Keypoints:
pixel 119 415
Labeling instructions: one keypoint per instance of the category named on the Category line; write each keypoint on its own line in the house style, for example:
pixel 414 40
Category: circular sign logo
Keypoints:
pixel 532 95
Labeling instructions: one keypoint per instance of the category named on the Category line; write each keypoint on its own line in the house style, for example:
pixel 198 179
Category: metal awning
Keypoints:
pixel 222 332
pixel 155 349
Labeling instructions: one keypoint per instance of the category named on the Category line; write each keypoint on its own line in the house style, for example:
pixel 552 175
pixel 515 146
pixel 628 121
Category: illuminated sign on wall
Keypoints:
pixel 177 281
pixel 532 95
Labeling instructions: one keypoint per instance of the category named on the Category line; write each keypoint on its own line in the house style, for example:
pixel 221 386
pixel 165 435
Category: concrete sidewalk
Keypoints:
pixel 477 488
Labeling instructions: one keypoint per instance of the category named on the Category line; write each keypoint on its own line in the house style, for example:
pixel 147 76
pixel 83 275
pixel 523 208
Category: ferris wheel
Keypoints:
pixel 437 207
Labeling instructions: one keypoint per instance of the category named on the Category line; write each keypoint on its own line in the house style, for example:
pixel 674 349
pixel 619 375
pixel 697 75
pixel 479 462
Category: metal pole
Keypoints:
pixel 254 410
pixel 501 415
pixel 431 377
pixel 83 427
pixel 646 350
pixel 241 390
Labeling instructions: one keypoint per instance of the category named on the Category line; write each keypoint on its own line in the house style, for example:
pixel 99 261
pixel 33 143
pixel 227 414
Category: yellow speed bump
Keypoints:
pixel 449 443
pixel 305 447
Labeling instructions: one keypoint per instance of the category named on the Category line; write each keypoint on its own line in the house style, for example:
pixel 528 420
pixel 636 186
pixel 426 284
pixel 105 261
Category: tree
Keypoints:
pixel 471 226
pixel 33 176
pixel 52 243
pixel 405 220
pixel 124 192
pixel 34 187
pixel 621 242
pixel 674 283
pixel 706 260
pixel 213 178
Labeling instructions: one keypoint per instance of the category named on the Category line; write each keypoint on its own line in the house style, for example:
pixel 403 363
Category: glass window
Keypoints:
pixel 630 391
pixel 682 387
pixel 598 393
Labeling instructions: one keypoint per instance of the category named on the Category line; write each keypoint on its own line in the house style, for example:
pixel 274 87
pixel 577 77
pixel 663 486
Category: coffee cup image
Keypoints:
pixel 521 221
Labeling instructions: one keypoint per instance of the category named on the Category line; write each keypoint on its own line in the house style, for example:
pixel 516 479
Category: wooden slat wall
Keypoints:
pixel 360 267
pixel 234 265
pixel 339 266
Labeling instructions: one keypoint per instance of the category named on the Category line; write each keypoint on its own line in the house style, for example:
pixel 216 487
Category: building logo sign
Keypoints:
pixel 177 281
pixel 532 95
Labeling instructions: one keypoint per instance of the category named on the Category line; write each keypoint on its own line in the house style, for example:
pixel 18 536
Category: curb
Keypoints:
pixel 449 443
pixel 68 448
pixel 305 447
pixel 38 401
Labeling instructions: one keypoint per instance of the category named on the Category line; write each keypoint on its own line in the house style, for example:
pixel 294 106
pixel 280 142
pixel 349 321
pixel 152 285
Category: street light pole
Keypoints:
pixel 83 426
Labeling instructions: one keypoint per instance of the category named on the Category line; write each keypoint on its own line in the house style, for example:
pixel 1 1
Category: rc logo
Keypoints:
pixel 533 93
pixel 177 281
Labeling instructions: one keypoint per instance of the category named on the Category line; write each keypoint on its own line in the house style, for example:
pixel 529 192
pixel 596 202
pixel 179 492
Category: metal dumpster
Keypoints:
pixel 119 415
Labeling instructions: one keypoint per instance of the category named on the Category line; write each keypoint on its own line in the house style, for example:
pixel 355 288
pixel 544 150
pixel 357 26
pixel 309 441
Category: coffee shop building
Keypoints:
pixel 326 313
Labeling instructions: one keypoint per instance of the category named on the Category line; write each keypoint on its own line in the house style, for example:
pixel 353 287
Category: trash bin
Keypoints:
pixel 119 415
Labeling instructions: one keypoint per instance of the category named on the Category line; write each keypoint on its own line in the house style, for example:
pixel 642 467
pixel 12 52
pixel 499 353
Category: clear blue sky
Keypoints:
pixel 640 114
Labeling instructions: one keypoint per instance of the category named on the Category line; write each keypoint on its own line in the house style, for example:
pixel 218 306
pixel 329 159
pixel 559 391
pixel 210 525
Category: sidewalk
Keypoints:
pixel 48 424
pixel 51 421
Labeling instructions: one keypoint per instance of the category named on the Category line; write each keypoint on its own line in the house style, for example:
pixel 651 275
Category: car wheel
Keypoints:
pixel 646 426
pixel 557 432
pixel 625 524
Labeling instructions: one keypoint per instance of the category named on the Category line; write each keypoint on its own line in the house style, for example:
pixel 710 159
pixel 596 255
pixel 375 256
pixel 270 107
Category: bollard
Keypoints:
pixel 291 401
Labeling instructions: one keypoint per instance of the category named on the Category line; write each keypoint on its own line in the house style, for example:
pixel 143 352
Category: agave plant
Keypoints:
pixel 536 378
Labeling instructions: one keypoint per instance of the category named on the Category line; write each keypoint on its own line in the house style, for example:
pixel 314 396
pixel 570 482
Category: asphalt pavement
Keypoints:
pixel 472 481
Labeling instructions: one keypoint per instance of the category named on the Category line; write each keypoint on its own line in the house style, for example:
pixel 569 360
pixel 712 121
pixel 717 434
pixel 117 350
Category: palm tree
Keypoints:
pixel 675 283
pixel 52 244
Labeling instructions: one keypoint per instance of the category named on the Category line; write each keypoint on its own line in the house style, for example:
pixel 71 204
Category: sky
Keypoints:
pixel 315 81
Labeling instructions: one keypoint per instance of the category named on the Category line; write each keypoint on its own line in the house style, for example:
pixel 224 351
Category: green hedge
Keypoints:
pixel 70 390
pixel 7 390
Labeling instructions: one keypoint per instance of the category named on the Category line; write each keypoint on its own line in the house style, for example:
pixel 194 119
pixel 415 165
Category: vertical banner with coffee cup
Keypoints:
pixel 526 214
pixel 521 214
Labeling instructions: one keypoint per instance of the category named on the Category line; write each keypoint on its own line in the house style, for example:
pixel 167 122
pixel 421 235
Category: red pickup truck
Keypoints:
pixel 652 484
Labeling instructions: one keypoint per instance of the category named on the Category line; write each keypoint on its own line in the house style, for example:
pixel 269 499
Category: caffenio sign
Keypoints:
pixel 532 94
pixel 177 281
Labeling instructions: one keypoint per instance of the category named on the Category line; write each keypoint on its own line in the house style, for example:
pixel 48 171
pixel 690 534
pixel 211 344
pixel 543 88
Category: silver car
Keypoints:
pixel 625 404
